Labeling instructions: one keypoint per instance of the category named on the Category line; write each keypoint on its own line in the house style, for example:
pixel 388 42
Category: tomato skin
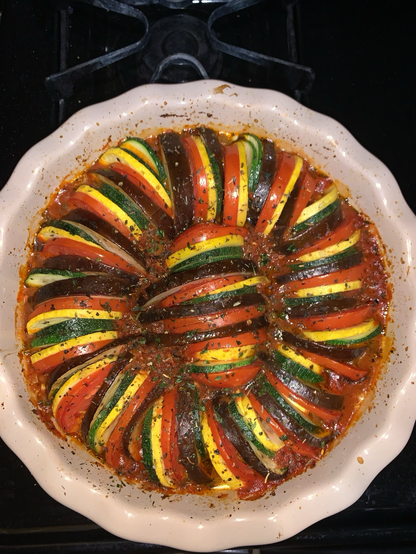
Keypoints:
pixel 169 438
pixel 231 183
pixel 61 246
pixel 199 288
pixel 228 451
pixel 115 454
pixel 207 322
pixel 107 303
pixel 51 362
pixel 326 415
pixel 353 373
pixel 85 202
pixel 75 402
pixel 244 339
pixel 285 167
pixel 205 231
pixel 199 178
pixel 140 182
pixel 338 320
pixel 231 378
pixel 351 274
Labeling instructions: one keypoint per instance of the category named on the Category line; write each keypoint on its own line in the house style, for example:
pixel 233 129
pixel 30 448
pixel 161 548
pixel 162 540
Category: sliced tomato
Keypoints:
pixel 352 274
pixel 199 288
pixel 86 202
pixel 338 320
pixel 140 182
pixel 292 441
pixel 235 184
pixel 232 378
pixel 115 454
pixel 201 187
pixel 108 303
pixel 169 438
pixel 61 246
pixel 51 362
pixel 244 339
pixel 228 452
pixel 204 231
pixel 74 403
pixel 322 413
pixel 211 321
pixel 353 373
pixel 307 188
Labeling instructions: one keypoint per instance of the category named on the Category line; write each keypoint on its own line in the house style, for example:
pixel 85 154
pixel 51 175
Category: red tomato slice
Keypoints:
pixel 199 288
pixel 293 442
pixel 201 204
pixel 75 402
pixel 338 320
pixel 244 339
pixel 115 454
pixel 343 276
pixel 140 182
pixel 49 363
pixel 285 167
pixel 211 321
pixel 205 231
pixel 108 303
pixel 62 246
pixel 307 189
pixel 322 413
pixel 227 450
pixel 169 438
pixel 81 200
pixel 353 373
pixel 231 183
pixel 236 377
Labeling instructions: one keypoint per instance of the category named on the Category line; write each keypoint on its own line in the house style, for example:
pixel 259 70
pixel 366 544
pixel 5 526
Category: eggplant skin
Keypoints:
pixel 180 179
pixel 186 438
pixel 267 174
pixel 204 308
pixel 345 354
pixel 234 435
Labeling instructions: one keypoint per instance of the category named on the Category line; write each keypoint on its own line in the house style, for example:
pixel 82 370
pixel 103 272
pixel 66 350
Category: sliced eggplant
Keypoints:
pixel 203 308
pixel 92 285
pixel 186 424
pixel 180 179
pixel 345 354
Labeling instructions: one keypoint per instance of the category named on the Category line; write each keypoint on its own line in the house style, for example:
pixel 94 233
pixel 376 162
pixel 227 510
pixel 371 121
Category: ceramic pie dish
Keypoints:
pixel 204 523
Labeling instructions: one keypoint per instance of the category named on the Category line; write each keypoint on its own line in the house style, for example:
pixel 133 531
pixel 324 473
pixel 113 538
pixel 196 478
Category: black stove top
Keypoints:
pixel 352 60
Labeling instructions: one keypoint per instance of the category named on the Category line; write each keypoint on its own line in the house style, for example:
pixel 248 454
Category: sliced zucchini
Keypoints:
pixel 226 354
pixel 347 335
pixel 41 276
pixel 69 329
pixel 145 152
pixel 53 317
pixel 247 431
pixel 192 250
pixel 147 446
pixel 256 157
pixel 206 367
pixel 329 198
pixel 298 365
pixel 214 255
pixel 333 249
pixel 117 195
pixel 351 251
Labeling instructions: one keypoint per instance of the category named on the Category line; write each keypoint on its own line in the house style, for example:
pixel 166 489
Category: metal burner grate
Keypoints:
pixel 176 41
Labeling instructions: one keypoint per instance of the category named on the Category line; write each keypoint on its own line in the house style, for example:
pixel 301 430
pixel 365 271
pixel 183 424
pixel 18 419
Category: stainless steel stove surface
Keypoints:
pixel 350 60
